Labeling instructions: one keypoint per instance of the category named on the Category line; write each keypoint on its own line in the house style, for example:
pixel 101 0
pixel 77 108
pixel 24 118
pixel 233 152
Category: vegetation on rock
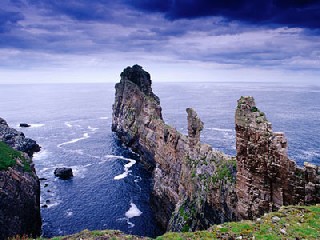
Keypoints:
pixel 9 157
pixel 290 222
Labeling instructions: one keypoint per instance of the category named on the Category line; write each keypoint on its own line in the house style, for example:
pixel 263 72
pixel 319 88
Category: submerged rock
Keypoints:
pixel 63 173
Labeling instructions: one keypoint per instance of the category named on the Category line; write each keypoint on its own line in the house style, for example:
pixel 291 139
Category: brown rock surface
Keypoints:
pixel 19 189
pixel 196 186
pixel 266 177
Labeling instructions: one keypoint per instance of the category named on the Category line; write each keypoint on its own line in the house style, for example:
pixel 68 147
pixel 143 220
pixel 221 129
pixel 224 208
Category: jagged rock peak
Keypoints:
pixel 247 114
pixel 140 77
pixel 195 125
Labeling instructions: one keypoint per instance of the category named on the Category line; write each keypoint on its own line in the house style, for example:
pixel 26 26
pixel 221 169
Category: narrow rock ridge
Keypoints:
pixel 19 187
pixel 196 186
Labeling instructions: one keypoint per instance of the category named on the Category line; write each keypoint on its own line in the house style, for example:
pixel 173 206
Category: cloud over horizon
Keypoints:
pixel 102 36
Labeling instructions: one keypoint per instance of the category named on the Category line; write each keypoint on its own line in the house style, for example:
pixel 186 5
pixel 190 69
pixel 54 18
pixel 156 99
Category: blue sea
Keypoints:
pixel 110 189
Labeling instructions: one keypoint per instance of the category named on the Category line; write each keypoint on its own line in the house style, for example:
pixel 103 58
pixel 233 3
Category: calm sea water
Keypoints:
pixel 110 189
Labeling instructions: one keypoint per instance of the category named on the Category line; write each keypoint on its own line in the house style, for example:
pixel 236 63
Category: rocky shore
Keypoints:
pixel 19 185
pixel 196 186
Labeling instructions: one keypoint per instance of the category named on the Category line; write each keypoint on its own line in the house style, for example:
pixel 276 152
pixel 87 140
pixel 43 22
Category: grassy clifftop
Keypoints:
pixel 291 222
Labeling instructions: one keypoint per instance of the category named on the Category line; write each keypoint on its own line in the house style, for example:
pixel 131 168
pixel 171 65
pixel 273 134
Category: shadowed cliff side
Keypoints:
pixel 19 185
pixel 196 186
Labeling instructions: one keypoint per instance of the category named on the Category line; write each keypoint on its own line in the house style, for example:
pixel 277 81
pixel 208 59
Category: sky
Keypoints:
pixel 59 41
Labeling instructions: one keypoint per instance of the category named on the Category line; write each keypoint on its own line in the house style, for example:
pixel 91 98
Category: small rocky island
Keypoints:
pixel 196 186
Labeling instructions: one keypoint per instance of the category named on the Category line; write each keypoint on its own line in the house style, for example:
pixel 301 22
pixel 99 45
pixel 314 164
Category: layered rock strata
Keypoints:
pixel 266 177
pixel 19 187
pixel 196 186
pixel 187 184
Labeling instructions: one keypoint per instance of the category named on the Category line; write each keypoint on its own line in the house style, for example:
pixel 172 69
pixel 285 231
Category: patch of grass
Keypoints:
pixel 8 156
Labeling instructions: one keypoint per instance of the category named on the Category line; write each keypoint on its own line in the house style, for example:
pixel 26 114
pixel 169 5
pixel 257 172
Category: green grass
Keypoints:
pixel 8 158
pixel 299 222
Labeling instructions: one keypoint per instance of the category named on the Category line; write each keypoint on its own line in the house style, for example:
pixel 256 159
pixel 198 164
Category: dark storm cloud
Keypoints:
pixel 293 13
pixel 179 30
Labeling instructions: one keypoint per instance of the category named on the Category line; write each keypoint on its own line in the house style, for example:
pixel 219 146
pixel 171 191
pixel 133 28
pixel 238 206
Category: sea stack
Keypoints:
pixel 196 186
pixel 19 185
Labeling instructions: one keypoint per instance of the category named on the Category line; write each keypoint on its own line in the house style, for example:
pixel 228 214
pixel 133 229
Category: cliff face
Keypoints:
pixel 266 177
pixel 196 186
pixel 19 185
pixel 186 181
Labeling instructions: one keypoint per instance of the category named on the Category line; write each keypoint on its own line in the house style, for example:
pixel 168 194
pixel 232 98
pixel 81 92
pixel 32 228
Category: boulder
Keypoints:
pixel 63 173
pixel 24 125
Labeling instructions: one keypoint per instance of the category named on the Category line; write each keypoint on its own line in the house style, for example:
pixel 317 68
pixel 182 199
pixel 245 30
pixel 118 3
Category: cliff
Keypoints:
pixel 196 186
pixel 19 185
pixel 266 177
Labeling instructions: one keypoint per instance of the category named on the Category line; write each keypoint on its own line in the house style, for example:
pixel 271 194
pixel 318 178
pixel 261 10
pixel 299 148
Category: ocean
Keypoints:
pixel 110 189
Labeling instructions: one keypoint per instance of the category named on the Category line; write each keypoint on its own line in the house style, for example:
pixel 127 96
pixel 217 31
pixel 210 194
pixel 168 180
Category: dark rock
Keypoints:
pixel 19 203
pixel 19 189
pixel 25 125
pixel 63 173
pixel 17 140
pixel 44 206
pixel 42 179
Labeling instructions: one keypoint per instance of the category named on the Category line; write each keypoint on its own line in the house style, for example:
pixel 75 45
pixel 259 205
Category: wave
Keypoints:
pixel 85 136
pixel 221 129
pixel 126 169
pixel 43 154
pixel 92 128
pixel 103 118
pixel 68 124
pixel 36 125
pixel 133 211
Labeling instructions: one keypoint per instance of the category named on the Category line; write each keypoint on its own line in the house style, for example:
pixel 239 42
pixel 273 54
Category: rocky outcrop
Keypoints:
pixel 266 177
pixel 196 186
pixel 19 185
pixel 187 181
pixel 63 173
pixel 16 139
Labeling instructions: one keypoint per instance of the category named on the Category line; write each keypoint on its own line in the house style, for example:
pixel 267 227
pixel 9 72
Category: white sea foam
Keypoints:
pixel 69 213
pixel 126 169
pixel 43 154
pixel 85 136
pixel 133 211
pixel 36 125
pixel 103 118
pixel 80 170
pixel 221 129
pixel 68 124
pixel 92 129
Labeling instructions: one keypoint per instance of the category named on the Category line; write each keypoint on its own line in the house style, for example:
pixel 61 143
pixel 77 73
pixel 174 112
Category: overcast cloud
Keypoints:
pixel 176 40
